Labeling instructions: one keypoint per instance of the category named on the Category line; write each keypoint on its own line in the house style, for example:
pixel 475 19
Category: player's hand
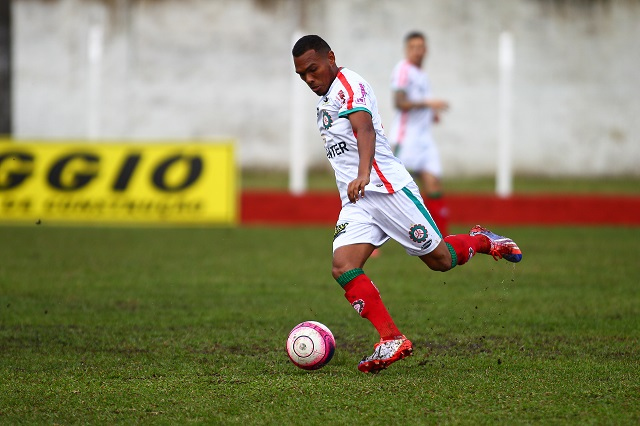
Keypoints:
pixel 355 190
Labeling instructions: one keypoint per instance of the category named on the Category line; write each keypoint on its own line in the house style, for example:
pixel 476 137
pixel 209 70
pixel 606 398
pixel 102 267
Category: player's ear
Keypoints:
pixel 332 57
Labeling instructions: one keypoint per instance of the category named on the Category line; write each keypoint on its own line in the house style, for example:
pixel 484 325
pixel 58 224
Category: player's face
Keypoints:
pixel 416 49
pixel 317 70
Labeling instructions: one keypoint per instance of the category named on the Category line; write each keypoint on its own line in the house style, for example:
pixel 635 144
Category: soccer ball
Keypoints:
pixel 310 345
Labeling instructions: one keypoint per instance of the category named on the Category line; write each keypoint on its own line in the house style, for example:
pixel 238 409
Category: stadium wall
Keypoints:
pixel 195 69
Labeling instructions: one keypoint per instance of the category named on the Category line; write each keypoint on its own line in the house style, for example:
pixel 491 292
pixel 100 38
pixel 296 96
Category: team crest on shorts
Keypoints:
pixel 418 233
pixel 327 121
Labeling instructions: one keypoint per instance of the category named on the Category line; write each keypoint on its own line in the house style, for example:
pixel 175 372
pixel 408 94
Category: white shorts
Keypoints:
pixel 420 156
pixel 380 216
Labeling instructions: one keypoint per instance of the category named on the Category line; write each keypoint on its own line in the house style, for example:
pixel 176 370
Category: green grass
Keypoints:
pixel 321 180
pixel 176 326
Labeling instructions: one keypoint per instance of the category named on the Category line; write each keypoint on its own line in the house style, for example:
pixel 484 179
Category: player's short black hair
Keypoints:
pixel 414 34
pixel 310 42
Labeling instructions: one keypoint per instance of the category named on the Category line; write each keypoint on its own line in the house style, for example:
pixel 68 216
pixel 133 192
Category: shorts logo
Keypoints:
pixel 340 229
pixel 427 244
pixel 358 305
pixel 418 233
pixel 327 121
pixel 471 252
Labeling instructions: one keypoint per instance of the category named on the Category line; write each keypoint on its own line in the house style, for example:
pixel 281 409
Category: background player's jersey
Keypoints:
pixel 350 93
pixel 413 125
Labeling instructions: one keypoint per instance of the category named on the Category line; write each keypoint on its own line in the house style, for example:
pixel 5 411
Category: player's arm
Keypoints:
pixel 362 126
pixel 403 103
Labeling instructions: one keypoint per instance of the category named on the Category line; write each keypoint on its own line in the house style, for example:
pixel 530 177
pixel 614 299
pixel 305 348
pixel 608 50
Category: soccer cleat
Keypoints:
pixel 501 247
pixel 386 352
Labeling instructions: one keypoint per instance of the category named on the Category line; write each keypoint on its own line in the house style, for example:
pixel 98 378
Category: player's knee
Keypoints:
pixel 440 265
pixel 339 266
pixel 337 270
pixel 438 260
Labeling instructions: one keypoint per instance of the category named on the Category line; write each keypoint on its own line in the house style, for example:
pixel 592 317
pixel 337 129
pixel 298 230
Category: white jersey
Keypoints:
pixel 414 125
pixel 349 93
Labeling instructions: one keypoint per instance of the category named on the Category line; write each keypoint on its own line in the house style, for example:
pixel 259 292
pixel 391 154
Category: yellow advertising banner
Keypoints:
pixel 160 183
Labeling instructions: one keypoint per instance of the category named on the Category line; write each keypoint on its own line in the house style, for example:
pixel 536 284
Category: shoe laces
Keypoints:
pixel 384 350
pixel 498 250
pixel 495 253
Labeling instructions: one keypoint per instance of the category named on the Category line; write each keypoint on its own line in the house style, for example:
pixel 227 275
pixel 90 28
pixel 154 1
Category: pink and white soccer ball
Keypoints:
pixel 310 345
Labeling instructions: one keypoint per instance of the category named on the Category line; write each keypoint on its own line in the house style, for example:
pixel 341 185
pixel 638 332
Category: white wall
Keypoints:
pixel 202 69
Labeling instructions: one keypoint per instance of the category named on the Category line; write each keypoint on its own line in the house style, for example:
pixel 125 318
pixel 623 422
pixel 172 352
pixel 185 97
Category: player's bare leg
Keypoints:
pixel 431 183
pixel 350 257
pixel 364 296
pixel 439 259
pixel 459 249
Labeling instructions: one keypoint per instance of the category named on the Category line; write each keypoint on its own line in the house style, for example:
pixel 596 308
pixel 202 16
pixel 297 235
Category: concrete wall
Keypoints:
pixel 202 69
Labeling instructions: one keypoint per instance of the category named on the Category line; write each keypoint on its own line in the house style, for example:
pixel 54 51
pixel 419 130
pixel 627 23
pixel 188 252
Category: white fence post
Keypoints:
pixel 95 40
pixel 297 153
pixel 504 172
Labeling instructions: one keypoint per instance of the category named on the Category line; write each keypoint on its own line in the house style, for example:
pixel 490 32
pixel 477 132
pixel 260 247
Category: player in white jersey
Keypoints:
pixel 350 93
pixel 363 163
pixel 416 111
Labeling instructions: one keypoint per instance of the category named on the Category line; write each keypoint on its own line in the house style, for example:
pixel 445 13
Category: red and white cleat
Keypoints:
pixel 386 352
pixel 501 247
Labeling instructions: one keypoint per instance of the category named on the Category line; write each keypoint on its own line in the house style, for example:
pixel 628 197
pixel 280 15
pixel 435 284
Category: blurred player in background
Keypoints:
pixel 355 144
pixel 410 135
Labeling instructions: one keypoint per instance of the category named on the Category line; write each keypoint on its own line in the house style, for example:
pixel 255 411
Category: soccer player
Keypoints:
pixel 380 200
pixel 410 135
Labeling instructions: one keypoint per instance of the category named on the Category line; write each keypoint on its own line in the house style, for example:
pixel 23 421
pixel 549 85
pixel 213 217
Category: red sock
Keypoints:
pixel 463 247
pixel 365 299
pixel 439 213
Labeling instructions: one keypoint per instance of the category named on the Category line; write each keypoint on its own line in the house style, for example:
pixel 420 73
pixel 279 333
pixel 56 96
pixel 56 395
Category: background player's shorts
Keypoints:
pixel 380 216
pixel 420 156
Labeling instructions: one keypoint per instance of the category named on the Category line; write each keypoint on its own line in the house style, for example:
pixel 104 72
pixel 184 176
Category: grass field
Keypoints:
pixel 321 180
pixel 175 326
